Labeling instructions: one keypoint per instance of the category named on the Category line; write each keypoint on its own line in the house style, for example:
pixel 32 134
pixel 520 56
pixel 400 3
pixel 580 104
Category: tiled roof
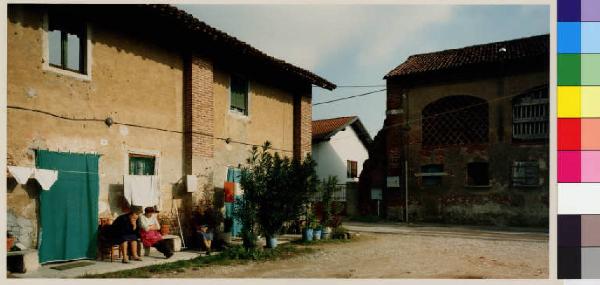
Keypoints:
pixel 536 46
pixel 194 25
pixel 324 128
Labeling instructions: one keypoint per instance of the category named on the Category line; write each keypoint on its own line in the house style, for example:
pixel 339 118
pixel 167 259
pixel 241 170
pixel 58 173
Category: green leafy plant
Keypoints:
pixel 276 190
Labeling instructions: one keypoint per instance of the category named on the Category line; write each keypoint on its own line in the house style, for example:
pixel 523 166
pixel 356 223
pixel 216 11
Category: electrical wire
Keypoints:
pixel 140 126
pixel 349 97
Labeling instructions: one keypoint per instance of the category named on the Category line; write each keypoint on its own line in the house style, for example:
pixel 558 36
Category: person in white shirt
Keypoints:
pixel 150 232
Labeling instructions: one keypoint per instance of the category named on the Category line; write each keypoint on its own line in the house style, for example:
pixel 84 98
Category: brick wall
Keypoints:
pixel 198 109
pixel 302 126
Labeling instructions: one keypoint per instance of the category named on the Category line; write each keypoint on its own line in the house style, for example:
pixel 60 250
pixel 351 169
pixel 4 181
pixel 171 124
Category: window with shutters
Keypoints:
pixel 239 94
pixel 67 43
pixel 352 169
pixel 530 115
pixel 141 164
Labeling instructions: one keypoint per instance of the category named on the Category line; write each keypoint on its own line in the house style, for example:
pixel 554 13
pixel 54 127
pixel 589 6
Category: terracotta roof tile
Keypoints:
pixel 536 46
pixel 323 128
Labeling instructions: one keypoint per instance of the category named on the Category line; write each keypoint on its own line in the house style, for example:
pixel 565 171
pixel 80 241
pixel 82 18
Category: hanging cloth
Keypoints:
pixel 20 173
pixel 141 190
pixel 45 177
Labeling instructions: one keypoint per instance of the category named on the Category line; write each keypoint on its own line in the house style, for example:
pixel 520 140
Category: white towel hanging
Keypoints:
pixel 45 177
pixel 20 173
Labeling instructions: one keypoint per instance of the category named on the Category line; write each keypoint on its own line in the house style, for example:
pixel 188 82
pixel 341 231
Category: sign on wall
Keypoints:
pixel 393 181
pixel 376 194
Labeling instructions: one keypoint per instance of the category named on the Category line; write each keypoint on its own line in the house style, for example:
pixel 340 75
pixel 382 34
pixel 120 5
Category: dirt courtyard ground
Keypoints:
pixel 407 253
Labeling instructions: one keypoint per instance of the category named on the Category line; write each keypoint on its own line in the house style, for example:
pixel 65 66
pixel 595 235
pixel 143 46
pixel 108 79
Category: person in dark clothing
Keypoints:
pixel 126 232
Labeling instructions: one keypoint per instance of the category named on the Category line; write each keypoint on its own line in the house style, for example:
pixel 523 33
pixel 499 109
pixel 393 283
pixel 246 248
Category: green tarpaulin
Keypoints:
pixel 69 210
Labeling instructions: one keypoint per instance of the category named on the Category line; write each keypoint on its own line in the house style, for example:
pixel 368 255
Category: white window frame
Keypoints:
pixel 46 54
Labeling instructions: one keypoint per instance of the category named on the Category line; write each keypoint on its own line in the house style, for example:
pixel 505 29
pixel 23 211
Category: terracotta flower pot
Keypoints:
pixel 165 229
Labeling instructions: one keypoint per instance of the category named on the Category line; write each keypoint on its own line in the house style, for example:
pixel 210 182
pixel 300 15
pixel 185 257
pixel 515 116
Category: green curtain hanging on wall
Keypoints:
pixel 69 210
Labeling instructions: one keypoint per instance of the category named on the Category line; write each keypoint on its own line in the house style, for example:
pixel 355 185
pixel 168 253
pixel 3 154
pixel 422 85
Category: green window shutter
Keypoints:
pixel 239 94
pixel 141 165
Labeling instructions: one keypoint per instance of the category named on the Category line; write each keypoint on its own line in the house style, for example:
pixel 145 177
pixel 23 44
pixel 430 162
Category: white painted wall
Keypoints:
pixel 331 156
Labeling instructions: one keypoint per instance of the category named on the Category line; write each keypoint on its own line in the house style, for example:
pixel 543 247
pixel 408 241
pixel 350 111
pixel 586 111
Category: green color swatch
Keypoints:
pixel 590 69
pixel 569 69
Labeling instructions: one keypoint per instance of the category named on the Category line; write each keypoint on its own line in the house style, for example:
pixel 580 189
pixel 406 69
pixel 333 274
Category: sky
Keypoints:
pixel 359 44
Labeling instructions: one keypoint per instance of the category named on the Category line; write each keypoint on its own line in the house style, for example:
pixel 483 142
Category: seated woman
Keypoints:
pixel 125 232
pixel 150 232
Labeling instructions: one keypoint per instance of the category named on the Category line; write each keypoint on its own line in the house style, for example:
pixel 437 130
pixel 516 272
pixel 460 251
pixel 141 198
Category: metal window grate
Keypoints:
pixel 455 120
pixel 525 173
pixel 530 115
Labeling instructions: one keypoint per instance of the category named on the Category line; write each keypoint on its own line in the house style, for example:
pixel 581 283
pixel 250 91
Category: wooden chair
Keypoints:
pixel 105 245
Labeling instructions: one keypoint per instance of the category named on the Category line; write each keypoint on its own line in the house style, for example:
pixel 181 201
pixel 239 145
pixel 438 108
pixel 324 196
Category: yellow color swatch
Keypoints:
pixel 590 101
pixel 569 101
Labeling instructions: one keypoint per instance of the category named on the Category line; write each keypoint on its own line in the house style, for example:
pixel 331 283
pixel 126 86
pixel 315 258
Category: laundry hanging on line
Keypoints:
pixel 20 173
pixel 45 177
pixel 142 190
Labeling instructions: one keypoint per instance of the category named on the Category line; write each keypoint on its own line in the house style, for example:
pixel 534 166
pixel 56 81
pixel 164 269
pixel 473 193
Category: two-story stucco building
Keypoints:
pixel 131 89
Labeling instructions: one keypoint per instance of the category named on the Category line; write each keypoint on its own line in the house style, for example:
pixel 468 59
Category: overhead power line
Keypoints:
pixel 349 97
pixel 357 86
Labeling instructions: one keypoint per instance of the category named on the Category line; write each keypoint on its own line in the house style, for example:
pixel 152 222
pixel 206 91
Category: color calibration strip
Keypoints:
pixel 578 139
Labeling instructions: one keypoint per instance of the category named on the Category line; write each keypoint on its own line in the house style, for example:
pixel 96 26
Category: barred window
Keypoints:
pixel 530 115
pixel 455 120
pixel 525 173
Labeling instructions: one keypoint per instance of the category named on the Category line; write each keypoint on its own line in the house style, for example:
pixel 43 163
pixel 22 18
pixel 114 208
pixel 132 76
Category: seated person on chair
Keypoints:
pixel 124 231
pixel 206 236
pixel 150 232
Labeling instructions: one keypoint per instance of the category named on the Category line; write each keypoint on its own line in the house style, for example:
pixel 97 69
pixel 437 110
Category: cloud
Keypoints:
pixel 300 34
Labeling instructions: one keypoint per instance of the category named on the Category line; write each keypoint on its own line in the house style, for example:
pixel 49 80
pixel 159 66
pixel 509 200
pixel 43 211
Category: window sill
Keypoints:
pixel 65 72
pixel 239 115
pixel 478 186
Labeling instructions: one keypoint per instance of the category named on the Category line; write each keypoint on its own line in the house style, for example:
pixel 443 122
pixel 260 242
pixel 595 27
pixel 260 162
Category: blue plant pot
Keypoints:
pixel 271 242
pixel 307 235
pixel 317 235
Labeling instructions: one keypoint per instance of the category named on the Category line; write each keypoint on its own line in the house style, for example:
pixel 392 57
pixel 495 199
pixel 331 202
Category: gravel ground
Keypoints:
pixel 379 255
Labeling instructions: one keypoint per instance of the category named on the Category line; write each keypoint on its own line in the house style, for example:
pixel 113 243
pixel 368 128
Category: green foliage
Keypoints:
pixel 331 209
pixel 275 191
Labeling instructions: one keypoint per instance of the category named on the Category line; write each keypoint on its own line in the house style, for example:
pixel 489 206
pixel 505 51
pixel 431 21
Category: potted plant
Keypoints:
pixel 326 233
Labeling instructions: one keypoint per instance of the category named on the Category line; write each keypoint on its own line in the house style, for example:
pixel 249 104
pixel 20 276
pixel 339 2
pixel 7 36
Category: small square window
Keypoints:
pixel 239 94
pixel 478 174
pixel 352 169
pixel 67 42
pixel 431 174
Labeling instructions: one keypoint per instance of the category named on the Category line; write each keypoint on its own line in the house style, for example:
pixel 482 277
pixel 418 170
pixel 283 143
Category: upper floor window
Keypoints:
pixel 67 41
pixel 239 94
pixel 530 115
pixel 351 169
pixel 455 120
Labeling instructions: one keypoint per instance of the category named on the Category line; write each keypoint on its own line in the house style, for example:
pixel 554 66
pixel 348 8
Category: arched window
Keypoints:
pixel 530 114
pixel 455 120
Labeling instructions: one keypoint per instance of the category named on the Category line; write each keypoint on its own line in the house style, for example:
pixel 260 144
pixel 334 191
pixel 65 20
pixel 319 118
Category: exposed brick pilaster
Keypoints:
pixel 198 112
pixel 302 126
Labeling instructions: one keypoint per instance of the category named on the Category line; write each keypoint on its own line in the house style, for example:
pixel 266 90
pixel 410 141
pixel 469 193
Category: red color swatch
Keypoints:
pixel 569 134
